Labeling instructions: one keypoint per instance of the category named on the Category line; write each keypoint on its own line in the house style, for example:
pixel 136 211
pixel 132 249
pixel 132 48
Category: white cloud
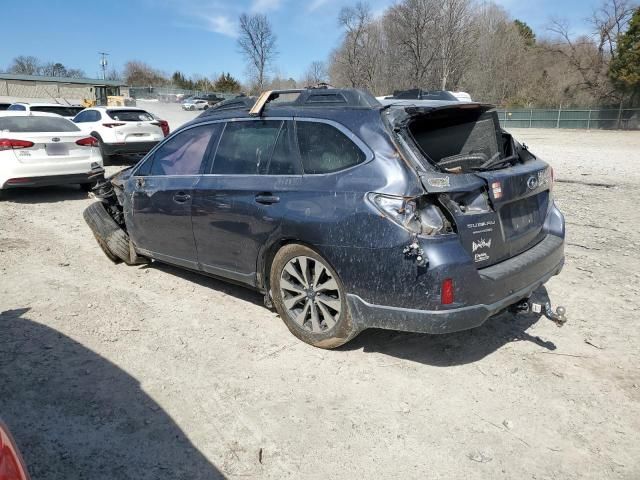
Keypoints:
pixel 263 6
pixel 316 4
pixel 221 24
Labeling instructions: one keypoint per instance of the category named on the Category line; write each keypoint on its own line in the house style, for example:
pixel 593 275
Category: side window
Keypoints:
pixel 325 149
pixel 246 147
pixel 17 107
pixel 93 116
pixel 183 153
pixel 284 161
pixel 81 117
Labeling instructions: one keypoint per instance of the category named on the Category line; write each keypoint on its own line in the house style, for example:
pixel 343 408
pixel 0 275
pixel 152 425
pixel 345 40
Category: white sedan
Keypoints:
pixel 42 149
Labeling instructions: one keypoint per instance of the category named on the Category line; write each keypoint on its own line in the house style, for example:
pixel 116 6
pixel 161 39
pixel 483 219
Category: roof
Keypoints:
pixel 44 104
pixel 23 113
pixel 42 78
pixel 102 107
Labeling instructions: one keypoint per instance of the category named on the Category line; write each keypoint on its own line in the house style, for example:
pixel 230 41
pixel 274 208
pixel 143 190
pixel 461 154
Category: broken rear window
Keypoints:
pixel 458 140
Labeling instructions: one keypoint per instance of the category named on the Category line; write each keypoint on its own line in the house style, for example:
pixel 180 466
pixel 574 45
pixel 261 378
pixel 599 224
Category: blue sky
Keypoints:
pixel 198 36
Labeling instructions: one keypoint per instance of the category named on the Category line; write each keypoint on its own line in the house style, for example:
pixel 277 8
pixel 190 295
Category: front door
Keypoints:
pixel 239 206
pixel 162 194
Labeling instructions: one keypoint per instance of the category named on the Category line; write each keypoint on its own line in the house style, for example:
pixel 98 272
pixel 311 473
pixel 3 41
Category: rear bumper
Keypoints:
pixel 517 277
pixel 50 180
pixel 128 148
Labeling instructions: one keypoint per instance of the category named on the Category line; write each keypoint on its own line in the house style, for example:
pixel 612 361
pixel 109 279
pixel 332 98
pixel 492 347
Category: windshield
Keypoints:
pixel 130 115
pixel 63 110
pixel 32 124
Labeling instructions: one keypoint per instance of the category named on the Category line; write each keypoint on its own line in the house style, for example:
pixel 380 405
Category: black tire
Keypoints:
pixel 341 332
pixel 106 158
pixel 112 239
pixel 107 252
pixel 87 187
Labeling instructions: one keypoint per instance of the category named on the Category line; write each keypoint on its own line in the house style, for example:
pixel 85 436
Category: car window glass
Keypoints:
pixel 130 115
pixel 284 161
pixel 182 154
pixel 33 124
pixel 325 149
pixel 245 147
pixel 81 117
pixel 17 107
pixel 93 116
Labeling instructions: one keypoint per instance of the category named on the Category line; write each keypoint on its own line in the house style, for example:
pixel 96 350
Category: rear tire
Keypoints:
pixel 87 187
pixel 311 299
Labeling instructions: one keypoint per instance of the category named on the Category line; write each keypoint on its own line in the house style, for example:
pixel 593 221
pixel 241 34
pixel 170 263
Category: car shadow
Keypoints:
pixel 455 348
pixel 58 193
pixel 224 286
pixel 76 415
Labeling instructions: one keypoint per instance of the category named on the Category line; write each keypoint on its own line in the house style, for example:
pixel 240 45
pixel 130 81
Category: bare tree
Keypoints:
pixel 316 73
pixel 456 37
pixel 257 43
pixel 25 65
pixel 590 55
pixel 356 60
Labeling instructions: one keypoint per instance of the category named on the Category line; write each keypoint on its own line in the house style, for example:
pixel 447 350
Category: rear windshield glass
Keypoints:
pixel 461 139
pixel 130 115
pixel 61 110
pixel 36 124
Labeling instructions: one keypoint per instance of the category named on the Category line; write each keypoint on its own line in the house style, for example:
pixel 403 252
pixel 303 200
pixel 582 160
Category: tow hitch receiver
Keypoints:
pixel 558 317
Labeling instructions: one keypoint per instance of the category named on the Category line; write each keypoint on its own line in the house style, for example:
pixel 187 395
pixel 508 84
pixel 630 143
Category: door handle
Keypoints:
pixel 267 198
pixel 181 197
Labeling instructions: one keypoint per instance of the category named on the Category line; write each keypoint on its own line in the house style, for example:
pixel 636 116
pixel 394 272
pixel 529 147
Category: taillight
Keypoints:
pixel 11 465
pixel 164 125
pixel 446 292
pixel 422 218
pixel 87 142
pixel 12 144
pixel 111 125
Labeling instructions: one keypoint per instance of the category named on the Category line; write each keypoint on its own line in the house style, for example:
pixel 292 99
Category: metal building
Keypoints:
pixel 35 88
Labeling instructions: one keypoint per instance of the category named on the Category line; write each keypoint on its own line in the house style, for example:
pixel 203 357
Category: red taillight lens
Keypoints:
pixel 446 294
pixel 87 142
pixel 12 144
pixel 111 125
pixel 164 125
pixel 11 464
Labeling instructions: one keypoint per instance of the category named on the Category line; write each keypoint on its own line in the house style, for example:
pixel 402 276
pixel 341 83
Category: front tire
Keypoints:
pixel 310 298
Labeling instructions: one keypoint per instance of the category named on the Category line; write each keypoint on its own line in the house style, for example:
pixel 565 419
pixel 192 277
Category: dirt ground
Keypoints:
pixel 110 371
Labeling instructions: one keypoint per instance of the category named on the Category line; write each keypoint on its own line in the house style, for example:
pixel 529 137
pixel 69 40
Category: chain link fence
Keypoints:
pixel 608 119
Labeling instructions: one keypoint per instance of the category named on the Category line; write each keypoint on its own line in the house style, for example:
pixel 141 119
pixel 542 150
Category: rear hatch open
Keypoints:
pixel 496 193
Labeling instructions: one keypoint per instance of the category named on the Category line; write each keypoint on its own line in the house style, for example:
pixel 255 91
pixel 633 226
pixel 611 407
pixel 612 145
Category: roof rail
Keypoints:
pixel 266 97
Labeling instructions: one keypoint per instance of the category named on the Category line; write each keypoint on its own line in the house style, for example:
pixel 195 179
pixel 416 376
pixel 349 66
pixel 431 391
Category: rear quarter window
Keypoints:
pixel 36 124
pixel 325 149
pixel 130 115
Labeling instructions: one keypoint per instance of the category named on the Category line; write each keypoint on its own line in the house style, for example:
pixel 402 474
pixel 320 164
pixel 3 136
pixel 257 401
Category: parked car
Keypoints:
pixel 4 106
pixel 199 104
pixel 12 466
pixel 67 111
pixel 42 149
pixel 419 94
pixel 121 130
pixel 346 214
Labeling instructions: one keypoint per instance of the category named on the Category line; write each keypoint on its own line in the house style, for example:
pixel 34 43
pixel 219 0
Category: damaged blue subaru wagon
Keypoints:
pixel 347 214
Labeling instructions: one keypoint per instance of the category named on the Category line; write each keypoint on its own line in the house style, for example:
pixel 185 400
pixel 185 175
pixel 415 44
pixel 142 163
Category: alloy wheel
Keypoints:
pixel 310 294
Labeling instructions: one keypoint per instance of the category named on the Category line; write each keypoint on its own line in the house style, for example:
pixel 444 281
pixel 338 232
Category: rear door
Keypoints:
pixel 160 220
pixel 242 202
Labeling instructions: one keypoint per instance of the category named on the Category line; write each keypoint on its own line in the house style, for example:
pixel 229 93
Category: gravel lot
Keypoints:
pixel 151 372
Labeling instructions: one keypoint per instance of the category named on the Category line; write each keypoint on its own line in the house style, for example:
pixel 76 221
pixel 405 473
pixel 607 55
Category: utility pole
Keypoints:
pixel 103 64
